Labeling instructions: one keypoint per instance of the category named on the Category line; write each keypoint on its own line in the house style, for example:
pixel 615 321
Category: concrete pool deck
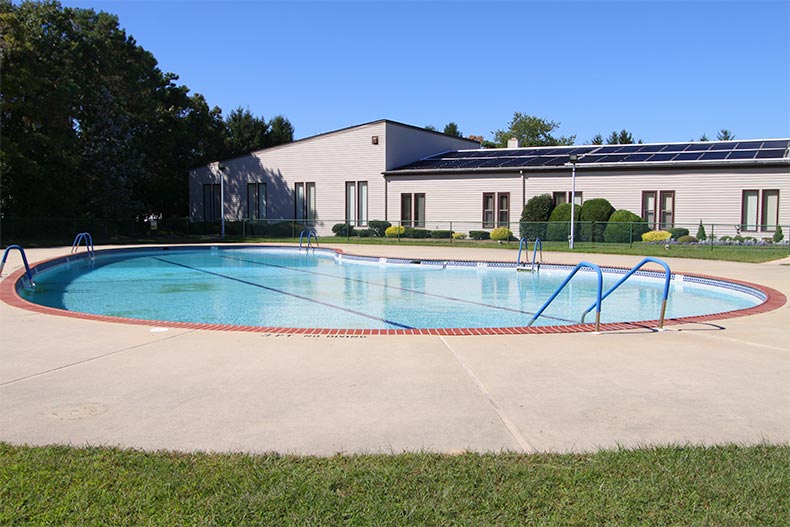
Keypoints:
pixel 86 382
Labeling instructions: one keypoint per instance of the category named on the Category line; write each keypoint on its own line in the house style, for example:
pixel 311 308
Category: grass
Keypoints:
pixel 725 485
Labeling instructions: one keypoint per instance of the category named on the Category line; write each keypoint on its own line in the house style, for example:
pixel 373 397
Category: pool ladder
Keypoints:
pixel 311 234
pixel 28 273
pixel 523 244
pixel 88 239
pixel 600 296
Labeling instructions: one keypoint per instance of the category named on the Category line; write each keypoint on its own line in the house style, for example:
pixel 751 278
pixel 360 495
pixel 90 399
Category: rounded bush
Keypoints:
pixel 459 236
pixel 501 234
pixel 656 236
pixel 559 227
pixel 595 213
pixel 678 232
pixel 343 229
pixel 394 231
pixel 687 239
pixel 379 227
pixel 624 227
pixel 536 213
pixel 365 233
pixel 479 235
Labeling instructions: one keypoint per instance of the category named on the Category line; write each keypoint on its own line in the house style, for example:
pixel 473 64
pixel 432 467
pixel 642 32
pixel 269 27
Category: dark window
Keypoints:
pixel 649 208
pixel 667 206
pixel 405 210
pixel 770 212
pixel 503 209
pixel 211 202
pixel 488 210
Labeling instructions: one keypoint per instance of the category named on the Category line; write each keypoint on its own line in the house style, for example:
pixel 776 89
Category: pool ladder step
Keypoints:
pixel 523 244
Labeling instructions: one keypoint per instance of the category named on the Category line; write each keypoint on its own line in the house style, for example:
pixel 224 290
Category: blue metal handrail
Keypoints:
pixel 568 279
pixel 24 260
pixel 86 236
pixel 522 243
pixel 310 234
pixel 538 243
pixel 667 278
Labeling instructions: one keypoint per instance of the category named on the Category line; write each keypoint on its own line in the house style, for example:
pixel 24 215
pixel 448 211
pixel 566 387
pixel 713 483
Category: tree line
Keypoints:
pixel 91 127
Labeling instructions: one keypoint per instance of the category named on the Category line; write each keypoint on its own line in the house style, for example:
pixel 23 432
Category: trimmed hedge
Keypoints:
pixel 656 236
pixel 501 234
pixel 343 229
pixel 624 227
pixel 479 235
pixel 394 231
pixel 379 227
pixel 687 239
pixel 594 215
pixel 678 232
pixel 416 233
pixel 535 215
pixel 441 234
pixel 559 227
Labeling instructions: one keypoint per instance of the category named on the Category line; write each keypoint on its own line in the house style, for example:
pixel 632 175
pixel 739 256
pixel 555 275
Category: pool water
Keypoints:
pixel 287 288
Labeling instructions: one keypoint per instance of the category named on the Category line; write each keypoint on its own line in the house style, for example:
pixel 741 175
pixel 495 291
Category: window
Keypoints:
pixel 759 210
pixel 304 202
pixel 357 203
pixel 256 201
pixel 560 198
pixel 412 210
pixel 667 209
pixel 496 209
pixel 770 217
pixel 488 210
pixel 503 209
pixel 405 210
pixel 649 208
pixel 749 202
pixel 211 202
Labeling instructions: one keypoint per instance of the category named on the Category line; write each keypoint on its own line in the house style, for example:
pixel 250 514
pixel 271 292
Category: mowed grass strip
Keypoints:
pixel 727 485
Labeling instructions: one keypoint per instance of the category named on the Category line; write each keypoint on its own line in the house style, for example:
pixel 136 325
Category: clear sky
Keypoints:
pixel 664 70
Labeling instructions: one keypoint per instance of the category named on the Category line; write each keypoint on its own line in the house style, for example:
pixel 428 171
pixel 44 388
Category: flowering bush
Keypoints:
pixel 459 236
pixel 501 233
pixel 395 231
pixel 656 236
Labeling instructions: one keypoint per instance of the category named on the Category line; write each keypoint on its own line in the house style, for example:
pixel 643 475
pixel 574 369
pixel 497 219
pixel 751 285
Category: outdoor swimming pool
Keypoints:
pixel 288 288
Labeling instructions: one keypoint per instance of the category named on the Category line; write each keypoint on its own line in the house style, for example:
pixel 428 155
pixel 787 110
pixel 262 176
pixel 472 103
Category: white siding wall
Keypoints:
pixel 711 195
pixel 406 144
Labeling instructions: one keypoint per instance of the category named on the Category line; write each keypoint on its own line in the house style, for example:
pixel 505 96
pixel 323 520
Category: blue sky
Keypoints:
pixel 664 70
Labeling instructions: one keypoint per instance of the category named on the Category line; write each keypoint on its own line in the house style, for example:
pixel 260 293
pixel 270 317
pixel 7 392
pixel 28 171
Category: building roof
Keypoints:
pixel 750 152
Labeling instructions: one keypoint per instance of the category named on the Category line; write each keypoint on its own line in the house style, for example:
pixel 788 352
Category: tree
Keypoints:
pixel 281 131
pixel 597 140
pixel 431 128
pixel 623 137
pixel 725 135
pixel 245 132
pixel 451 128
pixel 531 131
pixel 704 138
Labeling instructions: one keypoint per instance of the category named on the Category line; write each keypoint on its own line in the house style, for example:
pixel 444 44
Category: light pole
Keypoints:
pixel 573 158
pixel 222 169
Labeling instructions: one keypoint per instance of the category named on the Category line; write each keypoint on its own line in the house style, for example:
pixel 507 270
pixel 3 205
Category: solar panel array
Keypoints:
pixel 633 153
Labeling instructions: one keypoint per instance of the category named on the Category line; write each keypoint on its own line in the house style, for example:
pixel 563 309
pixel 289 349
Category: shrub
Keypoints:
pixel 624 227
pixel 535 215
pixel 678 232
pixel 559 227
pixel 778 234
pixel 656 236
pixel 417 233
pixel 441 234
pixel 379 227
pixel 366 233
pixel 343 229
pixel 459 236
pixel 501 234
pixel 479 235
pixel 687 239
pixel 595 213
pixel 394 231
pixel 701 236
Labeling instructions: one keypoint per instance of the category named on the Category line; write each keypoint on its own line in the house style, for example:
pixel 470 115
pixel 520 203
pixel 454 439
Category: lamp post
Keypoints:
pixel 222 169
pixel 573 158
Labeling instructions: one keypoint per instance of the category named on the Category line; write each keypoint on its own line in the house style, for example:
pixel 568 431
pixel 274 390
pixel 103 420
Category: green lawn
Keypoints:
pixel 728 485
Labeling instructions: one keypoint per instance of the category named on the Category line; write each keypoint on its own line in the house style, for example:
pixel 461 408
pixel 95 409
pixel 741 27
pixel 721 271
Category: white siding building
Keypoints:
pixel 404 174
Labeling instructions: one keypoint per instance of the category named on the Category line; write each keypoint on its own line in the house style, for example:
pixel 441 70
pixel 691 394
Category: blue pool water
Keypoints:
pixel 286 288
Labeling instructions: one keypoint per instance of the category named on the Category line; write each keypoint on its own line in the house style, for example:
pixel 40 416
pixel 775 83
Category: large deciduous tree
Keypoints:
pixel 531 131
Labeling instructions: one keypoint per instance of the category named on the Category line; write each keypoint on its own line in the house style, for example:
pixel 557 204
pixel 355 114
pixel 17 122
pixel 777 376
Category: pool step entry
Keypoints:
pixel 523 244
pixel 634 269
pixel 88 239
pixel 311 234
pixel 28 273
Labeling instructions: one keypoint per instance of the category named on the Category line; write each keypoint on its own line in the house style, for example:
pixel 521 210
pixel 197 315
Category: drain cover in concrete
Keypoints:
pixel 77 410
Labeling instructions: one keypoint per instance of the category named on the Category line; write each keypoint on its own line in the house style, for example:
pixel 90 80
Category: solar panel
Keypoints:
pixel 776 144
pixel 722 146
pixel 749 145
pixel 676 148
pixel 663 157
pixel 652 148
pixel 698 147
pixel 688 156
pixel 609 149
pixel 771 153
pixel 627 149
pixel 742 154
pixel 710 156
pixel 635 158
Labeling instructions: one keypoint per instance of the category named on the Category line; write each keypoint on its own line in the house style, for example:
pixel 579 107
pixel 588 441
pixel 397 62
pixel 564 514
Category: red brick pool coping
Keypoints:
pixel 775 299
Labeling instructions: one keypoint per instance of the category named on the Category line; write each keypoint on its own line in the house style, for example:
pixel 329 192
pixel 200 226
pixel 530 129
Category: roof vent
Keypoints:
pixel 512 142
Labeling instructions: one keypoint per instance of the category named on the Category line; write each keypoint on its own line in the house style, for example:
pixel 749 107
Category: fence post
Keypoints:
pixel 631 234
pixel 712 235
pixel 451 233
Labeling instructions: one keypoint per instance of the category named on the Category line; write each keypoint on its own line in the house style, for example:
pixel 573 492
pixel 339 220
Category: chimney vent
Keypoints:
pixel 512 142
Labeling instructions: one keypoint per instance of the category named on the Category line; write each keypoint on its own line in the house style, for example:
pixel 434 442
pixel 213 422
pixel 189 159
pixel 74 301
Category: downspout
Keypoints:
pixel 523 189
pixel 386 197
